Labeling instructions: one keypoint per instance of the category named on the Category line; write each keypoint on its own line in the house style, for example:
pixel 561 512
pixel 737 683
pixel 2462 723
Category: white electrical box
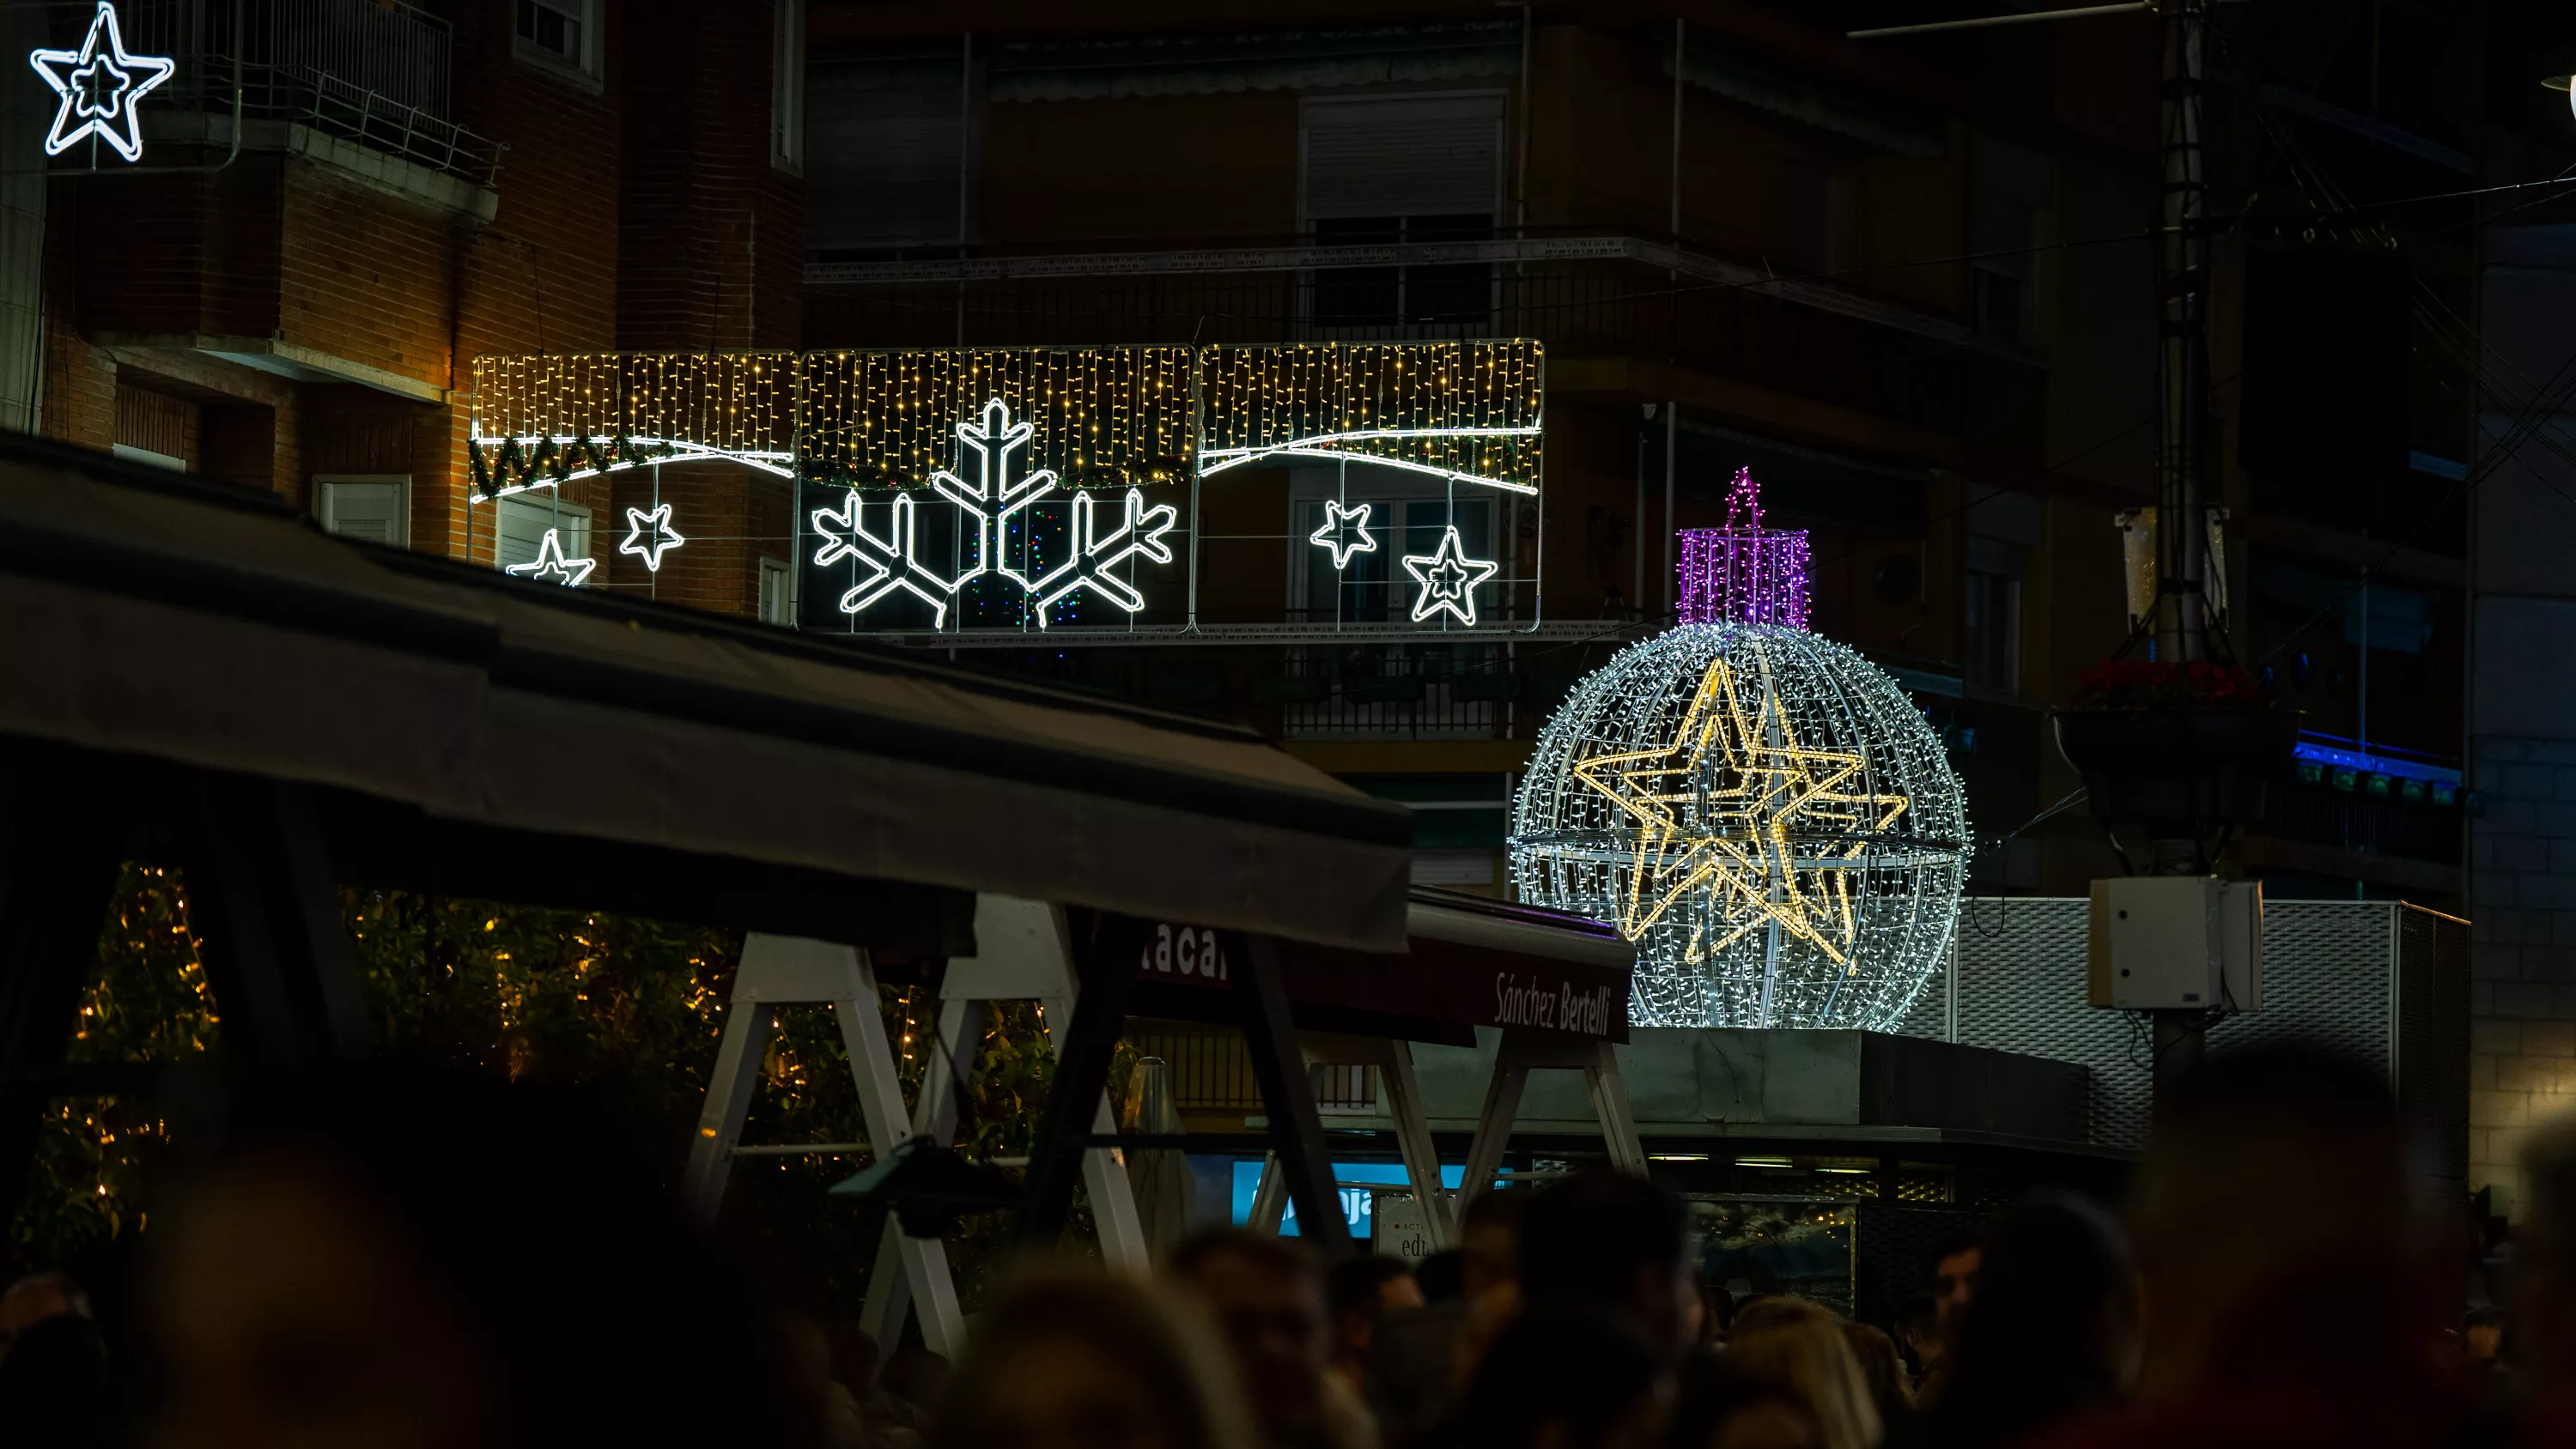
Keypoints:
pixel 2177 943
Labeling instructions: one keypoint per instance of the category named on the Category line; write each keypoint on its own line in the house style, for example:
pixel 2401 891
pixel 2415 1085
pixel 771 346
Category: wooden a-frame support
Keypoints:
pixel 1022 953
pixel 1522 1051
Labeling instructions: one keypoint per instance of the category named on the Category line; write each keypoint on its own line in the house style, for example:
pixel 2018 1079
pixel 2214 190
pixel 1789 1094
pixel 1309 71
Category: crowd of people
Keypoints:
pixel 403 1259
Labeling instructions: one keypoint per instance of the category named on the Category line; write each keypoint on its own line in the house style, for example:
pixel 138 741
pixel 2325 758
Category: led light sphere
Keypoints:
pixel 1764 813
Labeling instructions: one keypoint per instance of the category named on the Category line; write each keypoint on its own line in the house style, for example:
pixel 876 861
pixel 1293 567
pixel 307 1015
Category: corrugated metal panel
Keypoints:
pixel 2383 982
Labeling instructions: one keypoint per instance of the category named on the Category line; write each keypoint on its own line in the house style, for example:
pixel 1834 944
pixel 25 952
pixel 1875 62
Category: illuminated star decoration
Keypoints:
pixel 1740 815
pixel 552 567
pixel 1345 532
pixel 99 84
pixel 649 535
pixel 1448 578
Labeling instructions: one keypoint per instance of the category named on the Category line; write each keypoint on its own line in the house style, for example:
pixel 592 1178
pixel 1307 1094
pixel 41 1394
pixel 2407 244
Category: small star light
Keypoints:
pixel 552 567
pixel 649 535
pixel 1449 579
pixel 1345 532
pixel 99 84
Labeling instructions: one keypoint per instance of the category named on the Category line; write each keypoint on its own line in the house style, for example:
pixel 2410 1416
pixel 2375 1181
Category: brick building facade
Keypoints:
pixel 301 310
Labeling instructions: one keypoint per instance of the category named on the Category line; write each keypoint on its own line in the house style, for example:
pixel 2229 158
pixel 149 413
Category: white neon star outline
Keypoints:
pixel 664 537
pixel 1344 544
pixel 99 84
pixel 552 567
pixel 1449 579
pixel 1715 809
pixel 889 558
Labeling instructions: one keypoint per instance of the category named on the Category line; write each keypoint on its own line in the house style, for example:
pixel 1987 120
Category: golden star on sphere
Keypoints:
pixel 1715 811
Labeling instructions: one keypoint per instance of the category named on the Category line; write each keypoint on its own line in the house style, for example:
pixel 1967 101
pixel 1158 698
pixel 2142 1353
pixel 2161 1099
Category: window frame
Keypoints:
pixel 771 566
pixel 585 13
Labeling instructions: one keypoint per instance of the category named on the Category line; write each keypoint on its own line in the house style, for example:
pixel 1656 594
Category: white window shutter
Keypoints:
pixel 373 509
pixel 1403 156
pixel 520 523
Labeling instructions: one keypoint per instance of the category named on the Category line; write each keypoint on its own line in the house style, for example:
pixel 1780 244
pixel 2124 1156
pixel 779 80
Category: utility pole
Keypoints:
pixel 2182 284
pixel 2183 452
pixel 2180 626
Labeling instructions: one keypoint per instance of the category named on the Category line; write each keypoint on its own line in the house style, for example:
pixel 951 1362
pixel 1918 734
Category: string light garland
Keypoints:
pixel 649 535
pixel 1762 811
pixel 551 567
pixel 97 86
pixel 1017 537
pixel 1744 571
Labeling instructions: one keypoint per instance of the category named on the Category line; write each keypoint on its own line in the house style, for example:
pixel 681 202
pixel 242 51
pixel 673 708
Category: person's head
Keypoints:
pixel 2357 1263
pixel 2053 1330
pixel 855 1359
pixel 1876 1354
pixel 914 1374
pixel 1716 1313
pixel 2544 1267
pixel 1442 1276
pixel 1089 1361
pixel 1567 1376
pixel 1614 1242
pixel 33 1299
pixel 1722 1405
pixel 1800 1346
pixel 2482 1334
pixel 1954 1281
pixel 1918 1330
pixel 1355 1294
pixel 1267 1296
pixel 401 1257
pixel 1489 1240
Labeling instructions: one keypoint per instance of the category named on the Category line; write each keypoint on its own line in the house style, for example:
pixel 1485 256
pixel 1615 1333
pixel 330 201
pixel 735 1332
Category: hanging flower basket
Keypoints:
pixel 2186 744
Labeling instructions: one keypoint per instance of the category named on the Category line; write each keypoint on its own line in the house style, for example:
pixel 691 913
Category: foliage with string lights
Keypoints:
pixel 631 1008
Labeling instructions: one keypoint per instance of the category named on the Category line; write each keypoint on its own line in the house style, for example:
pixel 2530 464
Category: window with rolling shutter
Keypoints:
pixel 1395 156
pixel 374 507
pixel 880 164
pixel 520 524
pixel 1401 169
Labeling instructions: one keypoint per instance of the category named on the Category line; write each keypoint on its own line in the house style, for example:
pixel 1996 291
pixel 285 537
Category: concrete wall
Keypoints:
pixel 2522 729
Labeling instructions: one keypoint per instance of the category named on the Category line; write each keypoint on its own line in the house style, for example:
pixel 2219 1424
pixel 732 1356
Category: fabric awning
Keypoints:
pixel 206 626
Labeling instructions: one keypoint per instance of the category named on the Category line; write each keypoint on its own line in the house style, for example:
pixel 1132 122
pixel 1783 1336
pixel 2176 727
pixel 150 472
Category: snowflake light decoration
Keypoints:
pixel 1763 812
pixel 985 508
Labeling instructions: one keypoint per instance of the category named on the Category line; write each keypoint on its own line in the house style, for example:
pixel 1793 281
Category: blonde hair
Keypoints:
pixel 1800 1347
pixel 1168 1345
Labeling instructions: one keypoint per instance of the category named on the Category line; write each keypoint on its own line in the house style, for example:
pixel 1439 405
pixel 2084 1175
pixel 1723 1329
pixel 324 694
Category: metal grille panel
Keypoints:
pixel 2331 976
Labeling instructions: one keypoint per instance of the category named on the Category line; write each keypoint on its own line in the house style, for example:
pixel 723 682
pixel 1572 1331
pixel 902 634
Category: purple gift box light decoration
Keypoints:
pixel 1744 571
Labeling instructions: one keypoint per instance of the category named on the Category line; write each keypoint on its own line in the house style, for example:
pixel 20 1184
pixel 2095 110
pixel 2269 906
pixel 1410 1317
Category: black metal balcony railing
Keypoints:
pixel 2320 814
pixel 371 71
pixel 1412 691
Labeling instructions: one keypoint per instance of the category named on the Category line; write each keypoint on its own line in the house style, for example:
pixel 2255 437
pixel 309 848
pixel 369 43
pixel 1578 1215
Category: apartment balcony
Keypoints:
pixel 360 83
pixel 1594 299
pixel 2390 818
